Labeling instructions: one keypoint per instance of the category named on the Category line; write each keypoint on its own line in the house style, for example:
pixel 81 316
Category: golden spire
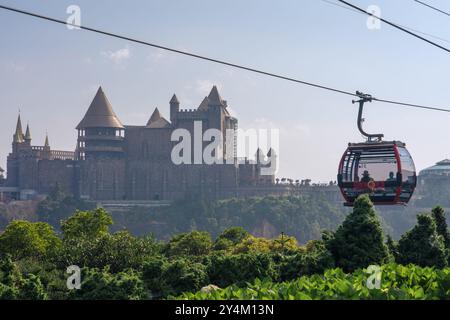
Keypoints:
pixel 18 136
pixel 27 133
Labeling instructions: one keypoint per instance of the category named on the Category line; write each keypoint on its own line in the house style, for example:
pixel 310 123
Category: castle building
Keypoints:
pixel 113 161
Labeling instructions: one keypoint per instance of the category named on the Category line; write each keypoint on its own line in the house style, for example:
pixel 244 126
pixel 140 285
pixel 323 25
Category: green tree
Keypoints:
pixel 315 260
pixel 224 269
pixel 13 285
pixel 392 248
pixel 358 242
pixel 87 224
pixel 118 251
pixel 194 243
pixel 182 275
pixel 31 288
pixel 422 245
pixel 101 284
pixel 23 239
pixel 152 274
pixel 438 215
pixel 230 237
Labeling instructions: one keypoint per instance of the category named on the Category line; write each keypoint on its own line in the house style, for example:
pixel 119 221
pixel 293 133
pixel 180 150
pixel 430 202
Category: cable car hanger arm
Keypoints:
pixel 363 99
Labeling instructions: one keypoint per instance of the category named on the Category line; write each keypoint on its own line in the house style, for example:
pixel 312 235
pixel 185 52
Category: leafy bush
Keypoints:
pixel 317 259
pixel 99 284
pixel 87 224
pixel 194 243
pixel 397 282
pixel 22 239
pixel 230 237
pixel 118 251
pixel 15 285
pixel 163 277
pixel 224 270
pixel 183 275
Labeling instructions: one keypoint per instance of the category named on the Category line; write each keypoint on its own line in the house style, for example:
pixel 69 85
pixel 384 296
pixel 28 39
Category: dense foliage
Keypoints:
pixel 117 265
pixel 397 282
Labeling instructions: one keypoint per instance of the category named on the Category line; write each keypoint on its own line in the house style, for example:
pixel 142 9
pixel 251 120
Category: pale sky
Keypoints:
pixel 52 73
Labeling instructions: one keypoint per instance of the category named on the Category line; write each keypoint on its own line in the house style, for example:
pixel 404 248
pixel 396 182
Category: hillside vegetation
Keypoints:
pixel 34 259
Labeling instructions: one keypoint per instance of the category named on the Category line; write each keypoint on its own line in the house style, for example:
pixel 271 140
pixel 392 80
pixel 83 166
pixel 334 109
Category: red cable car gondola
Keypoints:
pixel 383 169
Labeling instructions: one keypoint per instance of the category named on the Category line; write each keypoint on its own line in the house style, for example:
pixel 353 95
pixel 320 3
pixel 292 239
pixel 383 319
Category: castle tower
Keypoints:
pixel 100 133
pixel 214 99
pixel 174 109
pixel 18 134
pixel 219 118
pixel 46 154
pixel 27 137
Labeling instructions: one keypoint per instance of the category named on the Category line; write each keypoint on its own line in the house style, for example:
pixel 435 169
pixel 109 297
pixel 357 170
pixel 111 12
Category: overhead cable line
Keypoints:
pixel 406 27
pixel 431 7
pixel 234 65
pixel 396 26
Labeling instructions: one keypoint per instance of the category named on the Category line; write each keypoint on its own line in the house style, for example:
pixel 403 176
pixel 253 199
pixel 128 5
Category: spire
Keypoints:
pixel 18 135
pixel 155 116
pixel 100 114
pixel 46 144
pixel 259 156
pixel 174 99
pixel 271 153
pixel 28 134
pixel 204 105
pixel 214 97
pixel 157 121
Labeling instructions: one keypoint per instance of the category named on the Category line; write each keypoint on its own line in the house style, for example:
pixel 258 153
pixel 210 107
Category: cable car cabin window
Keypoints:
pixel 409 178
pixel 374 171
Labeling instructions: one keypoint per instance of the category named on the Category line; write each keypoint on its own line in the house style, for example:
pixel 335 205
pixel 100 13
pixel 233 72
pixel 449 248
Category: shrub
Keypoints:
pixel 398 283
pixel 194 243
pixel 99 284
pixel 224 270
pixel 422 245
pixel 358 242
pixel 182 275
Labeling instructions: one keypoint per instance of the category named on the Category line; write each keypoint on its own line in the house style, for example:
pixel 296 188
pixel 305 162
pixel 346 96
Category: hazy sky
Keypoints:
pixel 52 73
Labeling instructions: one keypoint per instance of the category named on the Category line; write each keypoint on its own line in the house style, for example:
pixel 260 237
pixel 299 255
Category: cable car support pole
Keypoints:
pixel 363 99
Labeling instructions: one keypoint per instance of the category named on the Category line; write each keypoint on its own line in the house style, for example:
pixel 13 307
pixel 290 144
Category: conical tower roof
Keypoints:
pixel 28 133
pixel 18 135
pixel 174 99
pixel 204 105
pixel 100 114
pixel 271 153
pixel 157 121
pixel 154 117
pixel 214 97
pixel 46 144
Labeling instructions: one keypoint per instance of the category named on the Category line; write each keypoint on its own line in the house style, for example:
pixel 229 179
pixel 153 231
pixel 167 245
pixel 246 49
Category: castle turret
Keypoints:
pixel 18 135
pixel 100 133
pixel 214 98
pixel 27 138
pixel 174 109
pixel 46 153
pixel 46 143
